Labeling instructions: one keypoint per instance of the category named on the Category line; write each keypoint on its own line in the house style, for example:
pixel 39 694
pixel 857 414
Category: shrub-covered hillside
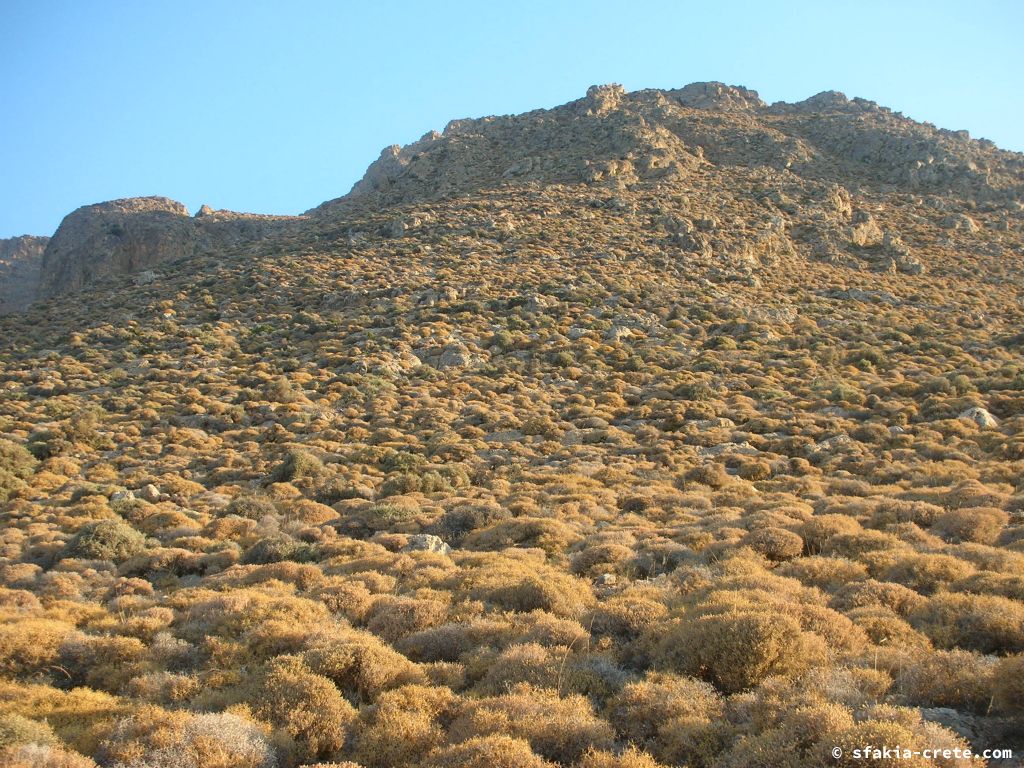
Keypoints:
pixel 710 454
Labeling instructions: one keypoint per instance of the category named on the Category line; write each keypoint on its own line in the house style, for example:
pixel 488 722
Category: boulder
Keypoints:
pixel 981 417
pixel 426 542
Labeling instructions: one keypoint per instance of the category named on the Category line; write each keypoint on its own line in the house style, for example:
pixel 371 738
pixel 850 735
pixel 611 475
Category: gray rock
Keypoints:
pixel 981 417
pixel 150 493
pixel 426 542
pixel 21 261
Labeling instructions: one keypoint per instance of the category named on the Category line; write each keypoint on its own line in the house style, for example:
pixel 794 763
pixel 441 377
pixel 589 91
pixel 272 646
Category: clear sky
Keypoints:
pixel 273 107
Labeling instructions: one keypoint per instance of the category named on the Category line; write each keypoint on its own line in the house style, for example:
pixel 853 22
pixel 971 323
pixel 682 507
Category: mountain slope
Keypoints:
pixel 688 461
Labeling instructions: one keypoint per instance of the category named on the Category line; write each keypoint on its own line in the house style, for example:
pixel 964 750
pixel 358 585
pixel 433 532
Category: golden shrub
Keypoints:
pixel 1008 685
pixel 984 623
pixel 776 544
pixel 738 650
pixel 559 729
pixel 631 757
pixel 492 751
pixel 977 524
pixel 957 679
pixel 42 756
pixel 304 705
pixel 402 726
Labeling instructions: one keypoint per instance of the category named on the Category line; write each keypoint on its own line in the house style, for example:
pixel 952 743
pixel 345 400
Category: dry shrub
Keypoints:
pixel 738 650
pixel 42 756
pixel 448 642
pixel 777 544
pixel 164 688
pixel 148 730
pixel 361 665
pixel 956 679
pixel 1008 685
pixel 29 645
pixel 492 751
pixel 547 533
pixel 817 531
pixel 303 704
pixel 857 545
pixel 600 558
pixel 560 729
pixel 885 628
pixel 81 717
pixel 872 593
pixel 988 583
pixel 516 585
pixel 234 613
pixel 213 740
pixel 984 623
pixel 673 717
pixel 526 663
pixel 392 617
pixel 106 663
pixel 626 617
pixel 402 726
pixel 880 733
pixel 16 466
pixel 112 540
pixel 927 573
pixel 972 524
pixel 895 511
pixel 350 599
pixel 827 573
pixel 15 729
pixel 712 475
pixel 631 757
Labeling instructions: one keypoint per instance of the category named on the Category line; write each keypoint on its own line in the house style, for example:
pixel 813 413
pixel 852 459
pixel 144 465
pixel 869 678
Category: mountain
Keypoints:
pixel 609 140
pixel 20 261
pixel 659 428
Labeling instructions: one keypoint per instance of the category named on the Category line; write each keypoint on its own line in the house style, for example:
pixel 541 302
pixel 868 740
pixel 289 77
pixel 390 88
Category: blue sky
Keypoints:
pixel 274 107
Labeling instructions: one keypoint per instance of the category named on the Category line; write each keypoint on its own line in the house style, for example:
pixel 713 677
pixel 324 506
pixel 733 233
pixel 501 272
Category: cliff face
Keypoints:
pixel 20 261
pixel 133 234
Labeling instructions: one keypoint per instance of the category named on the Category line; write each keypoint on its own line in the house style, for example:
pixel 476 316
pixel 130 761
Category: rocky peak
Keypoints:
pixel 717 96
pixel 619 139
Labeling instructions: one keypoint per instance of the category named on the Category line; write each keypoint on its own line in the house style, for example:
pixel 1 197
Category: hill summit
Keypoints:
pixel 610 139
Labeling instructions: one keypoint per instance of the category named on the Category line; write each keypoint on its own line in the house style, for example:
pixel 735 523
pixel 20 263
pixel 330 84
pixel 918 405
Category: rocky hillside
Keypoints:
pixel 20 261
pixel 660 429
pixel 611 135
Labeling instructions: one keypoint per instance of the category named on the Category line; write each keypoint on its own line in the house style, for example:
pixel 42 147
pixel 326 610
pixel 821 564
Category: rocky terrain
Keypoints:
pixel 20 262
pixel 125 236
pixel 665 428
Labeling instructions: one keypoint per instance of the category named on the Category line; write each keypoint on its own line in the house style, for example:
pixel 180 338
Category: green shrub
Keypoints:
pixel 16 465
pixel 112 540
pixel 296 465
pixel 15 729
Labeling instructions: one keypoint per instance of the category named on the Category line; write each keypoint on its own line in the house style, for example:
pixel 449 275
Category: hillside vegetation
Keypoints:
pixel 659 429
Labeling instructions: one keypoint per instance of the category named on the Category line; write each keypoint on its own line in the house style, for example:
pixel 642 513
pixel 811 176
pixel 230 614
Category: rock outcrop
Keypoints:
pixel 20 261
pixel 616 138
pixel 125 236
